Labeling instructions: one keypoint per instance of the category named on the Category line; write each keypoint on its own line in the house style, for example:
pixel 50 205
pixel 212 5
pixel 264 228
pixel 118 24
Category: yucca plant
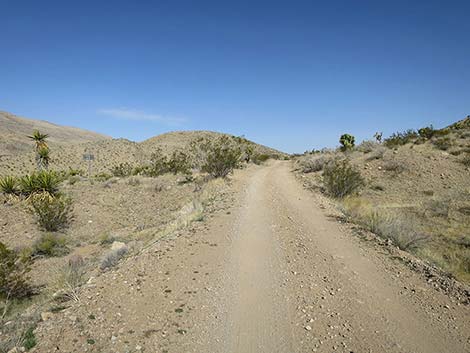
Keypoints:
pixel 41 182
pixel 28 184
pixel 48 181
pixel 8 185
pixel 41 147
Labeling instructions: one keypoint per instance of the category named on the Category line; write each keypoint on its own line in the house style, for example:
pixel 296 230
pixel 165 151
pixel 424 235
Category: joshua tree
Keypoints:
pixel 378 137
pixel 346 141
pixel 41 148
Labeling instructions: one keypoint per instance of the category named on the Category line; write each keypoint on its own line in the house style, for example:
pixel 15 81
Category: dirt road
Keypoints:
pixel 271 272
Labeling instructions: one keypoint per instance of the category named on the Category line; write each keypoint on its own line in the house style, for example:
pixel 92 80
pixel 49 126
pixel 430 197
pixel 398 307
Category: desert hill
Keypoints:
pixel 69 144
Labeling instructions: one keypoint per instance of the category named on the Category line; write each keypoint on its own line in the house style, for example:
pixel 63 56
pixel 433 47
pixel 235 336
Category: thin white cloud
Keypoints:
pixel 137 115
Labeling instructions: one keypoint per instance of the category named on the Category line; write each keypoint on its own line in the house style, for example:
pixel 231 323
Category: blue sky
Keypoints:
pixel 290 74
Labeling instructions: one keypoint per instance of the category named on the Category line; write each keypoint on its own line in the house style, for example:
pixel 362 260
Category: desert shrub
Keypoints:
pixel 14 270
pixel 401 138
pixel 158 164
pixel 341 178
pixel 103 176
pixel 443 143
pixel 401 231
pixel 466 160
pixel 377 153
pixel 437 208
pixel 427 132
pixel 75 172
pixel 179 163
pixel 313 164
pixel 259 158
pixel 347 142
pixel 73 180
pixel 133 182
pixel 50 245
pixel 122 170
pixel 53 213
pixel 367 146
pixel 40 182
pixel 112 258
pixel 69 279
pixel 9 185
pixel 29 339
pixel 222 157
pixel 394 166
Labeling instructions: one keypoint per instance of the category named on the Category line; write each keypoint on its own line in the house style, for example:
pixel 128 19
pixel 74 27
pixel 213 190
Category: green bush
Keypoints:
pixel 401 138
pixel 341 179
pixel 50 245
pixel 29 339
pixel 103 176
pixel 347 142
pixel 222 158
pixel 427 132
pixel 53 213
pixel 40 182
pixel 9 185
pixel 122 170
pixel 14 270
pixel 158 164
pixel 179 163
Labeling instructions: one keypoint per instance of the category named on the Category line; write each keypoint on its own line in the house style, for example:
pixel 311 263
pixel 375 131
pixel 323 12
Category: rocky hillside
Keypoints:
pixel 69 144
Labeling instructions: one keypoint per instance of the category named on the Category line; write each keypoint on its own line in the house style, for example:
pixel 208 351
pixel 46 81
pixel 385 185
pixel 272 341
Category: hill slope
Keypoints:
pixel 69 144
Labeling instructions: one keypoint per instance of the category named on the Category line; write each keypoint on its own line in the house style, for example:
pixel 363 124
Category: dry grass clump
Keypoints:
pixel 341 178
pixel 398 229
pixel 394 166
pixel 69 278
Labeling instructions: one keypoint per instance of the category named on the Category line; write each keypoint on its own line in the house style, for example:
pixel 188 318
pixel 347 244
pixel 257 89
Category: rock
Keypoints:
pixel 118 246
pixel 14 350
pixel 46 315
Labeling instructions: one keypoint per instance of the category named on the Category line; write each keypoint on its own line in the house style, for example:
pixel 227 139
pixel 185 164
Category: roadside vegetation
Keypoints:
pixel 411 189
pixel 113 213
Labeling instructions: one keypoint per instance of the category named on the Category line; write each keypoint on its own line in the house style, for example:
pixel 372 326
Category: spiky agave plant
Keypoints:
pixel 8 185
pixel 45 182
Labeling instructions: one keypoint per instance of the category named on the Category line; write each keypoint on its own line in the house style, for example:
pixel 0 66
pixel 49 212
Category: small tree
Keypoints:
pixel 346 141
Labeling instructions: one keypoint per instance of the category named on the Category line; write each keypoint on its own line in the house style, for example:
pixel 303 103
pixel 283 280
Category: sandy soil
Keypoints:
pixel 273 271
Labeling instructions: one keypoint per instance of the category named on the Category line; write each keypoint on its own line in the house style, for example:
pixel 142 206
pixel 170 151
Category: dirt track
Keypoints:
pixel 271 273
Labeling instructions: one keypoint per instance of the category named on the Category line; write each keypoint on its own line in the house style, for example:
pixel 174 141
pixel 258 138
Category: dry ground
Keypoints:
pixel 271 271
